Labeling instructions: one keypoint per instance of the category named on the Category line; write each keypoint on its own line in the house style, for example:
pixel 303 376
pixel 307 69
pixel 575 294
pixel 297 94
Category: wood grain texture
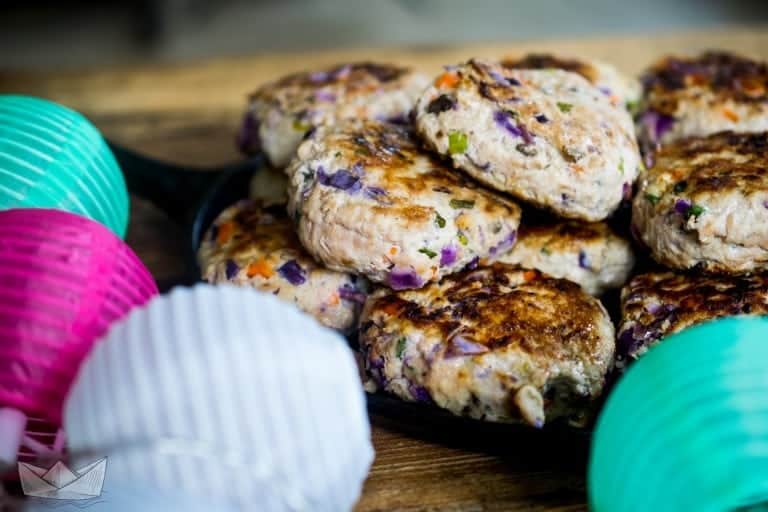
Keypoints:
pixel 188 113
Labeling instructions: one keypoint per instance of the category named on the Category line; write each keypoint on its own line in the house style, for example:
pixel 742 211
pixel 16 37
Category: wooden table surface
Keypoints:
pixel 188 113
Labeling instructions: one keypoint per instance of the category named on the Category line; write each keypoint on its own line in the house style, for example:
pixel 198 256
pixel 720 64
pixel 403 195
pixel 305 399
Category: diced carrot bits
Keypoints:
pixel 393 251
pixel 530 275
pixel 334 299
pixel 225 232
pixel 260 268
pixel 391 309
pixel 731 115
pixel 448 79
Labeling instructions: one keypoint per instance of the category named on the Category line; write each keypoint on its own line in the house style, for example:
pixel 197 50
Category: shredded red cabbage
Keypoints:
pixel 448 255
pixel 656 124
pixel 341 179
pixel 232 269
pixel 374 192
pixel 459 346
pixel 682 206
pixel 504 120
pixel 473 263
pixel 583 260
pixel 248 136
pixel 400 279
pixel 419 393
pixel 506 243
pixel 293 273
pixel 318 76
pixel 542 118
pixel 765 203
pixel 605 90
pixel 351 294
pixel 626 191
pixel 325 96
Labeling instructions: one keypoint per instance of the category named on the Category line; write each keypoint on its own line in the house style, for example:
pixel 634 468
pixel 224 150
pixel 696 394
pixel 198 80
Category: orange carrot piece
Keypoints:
pixel 225 232
pixel 448 79
pixel 530 275
pixel 731 115
pixel 260 268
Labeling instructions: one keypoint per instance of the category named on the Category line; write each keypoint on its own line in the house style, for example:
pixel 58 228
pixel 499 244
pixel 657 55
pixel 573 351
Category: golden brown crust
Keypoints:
pixel 549 61
pixel 726 76
pixel 714 164
pixel 504 308
pixel 354 77
pixel 655 305
pixel 566 235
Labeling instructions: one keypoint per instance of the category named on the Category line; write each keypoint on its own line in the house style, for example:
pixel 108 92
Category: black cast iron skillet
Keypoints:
pixel 193 197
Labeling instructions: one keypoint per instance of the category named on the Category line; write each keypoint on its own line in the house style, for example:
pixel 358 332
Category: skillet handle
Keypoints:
pixel 176 190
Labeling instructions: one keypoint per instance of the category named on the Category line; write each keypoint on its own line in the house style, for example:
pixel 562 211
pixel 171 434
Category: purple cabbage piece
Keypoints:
pixel 765 203
pixel 440 104
pixel 400 279
pixel 419 393
pixel 473 263
pixel 505 244
pixel 541 118
pixel 325 96
pixel 504 120
pixel 403 119
pixel 341 179
pixel 448 255
pixel 584 260
pixel 605 90
pixel 318 76
pixel 656 124
pixel 293 273
pixel 499 77
pixel 459 345
pixel 626 191
pixel 682 206
pixel 342 72
pixel 231 269
pixel 248 140
pixel 351 294
pixel 374 192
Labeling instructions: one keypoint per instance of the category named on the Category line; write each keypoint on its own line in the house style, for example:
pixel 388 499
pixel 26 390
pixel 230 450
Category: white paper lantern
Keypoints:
pixel 227 394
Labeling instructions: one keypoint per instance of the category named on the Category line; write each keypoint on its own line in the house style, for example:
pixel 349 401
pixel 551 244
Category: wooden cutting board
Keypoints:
pixel 189 112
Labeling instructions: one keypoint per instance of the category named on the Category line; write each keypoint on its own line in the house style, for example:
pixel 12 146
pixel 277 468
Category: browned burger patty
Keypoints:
pixel 695 96
pixel 498 343
pixel 656 305
pixel 704 204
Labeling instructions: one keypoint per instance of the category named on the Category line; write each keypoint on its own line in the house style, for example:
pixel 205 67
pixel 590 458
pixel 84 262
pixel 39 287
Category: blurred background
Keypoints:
pixel 60 34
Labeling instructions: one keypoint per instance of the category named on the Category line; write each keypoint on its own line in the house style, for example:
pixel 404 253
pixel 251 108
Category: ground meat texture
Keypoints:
pixel 498 343
pixel 658 304
pixel 704 204
pixel 284 112
pixel 547 137
pixel 250 245
pixel 368 199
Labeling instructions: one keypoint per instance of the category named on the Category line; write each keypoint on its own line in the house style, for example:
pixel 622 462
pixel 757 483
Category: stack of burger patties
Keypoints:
pixel 401 221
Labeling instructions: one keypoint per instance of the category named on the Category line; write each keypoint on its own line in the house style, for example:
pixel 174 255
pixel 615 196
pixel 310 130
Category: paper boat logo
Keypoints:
pixel 60 483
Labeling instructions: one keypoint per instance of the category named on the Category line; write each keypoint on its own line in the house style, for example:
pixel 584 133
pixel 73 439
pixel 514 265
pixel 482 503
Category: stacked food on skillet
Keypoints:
pixel 458 224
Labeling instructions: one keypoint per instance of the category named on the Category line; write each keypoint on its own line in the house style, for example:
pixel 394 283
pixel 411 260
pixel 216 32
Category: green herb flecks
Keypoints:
pixel 301 126
pixel 439 220
pixel 430 254
pixel 621 166
pixel 564 107
pixel 694 211
pixel 400 348
pixel 465 204
pixel 463 240
pixel 545 251
pixel 653 199
pixel 457 143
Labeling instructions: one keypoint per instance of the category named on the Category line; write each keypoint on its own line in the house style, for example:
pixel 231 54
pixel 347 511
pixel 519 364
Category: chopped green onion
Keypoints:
pixel 526 149
pixel 308 175
pixel 430 254
pixel 439 220
pixel 564 107
pixel 694 211
pixel 466 204
pixel 545 251
pixel 301 126
pixel 400 347
pixel 632 106
pixel 621 166
pixel 653 199
pixel 457 143
pixel 463 240
pixel 338 154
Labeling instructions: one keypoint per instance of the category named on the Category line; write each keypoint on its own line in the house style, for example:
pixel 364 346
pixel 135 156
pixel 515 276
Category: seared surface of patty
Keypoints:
pixel 704 204
pixel 620 89
pixel 701 95
pixel 548 137
pixel 249 245
pixel 589 254
pixel 658 304
pixel 498 343
pixel 269 186
pixel 283 112
pixel 368 200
